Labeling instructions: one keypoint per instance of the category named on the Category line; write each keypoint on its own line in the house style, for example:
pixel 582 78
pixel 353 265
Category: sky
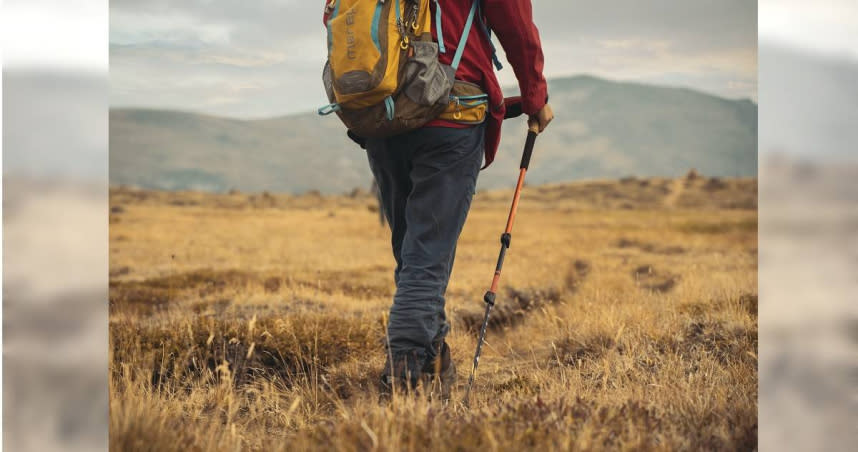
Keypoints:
pixel 55 35
pixel 828 27
pixel 263 58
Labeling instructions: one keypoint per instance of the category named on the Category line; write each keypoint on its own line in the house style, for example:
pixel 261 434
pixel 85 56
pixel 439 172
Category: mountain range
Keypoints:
pixel 603 129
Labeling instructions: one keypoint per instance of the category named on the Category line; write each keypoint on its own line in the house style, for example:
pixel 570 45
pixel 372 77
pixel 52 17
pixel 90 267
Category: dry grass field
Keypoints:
pixel 627 320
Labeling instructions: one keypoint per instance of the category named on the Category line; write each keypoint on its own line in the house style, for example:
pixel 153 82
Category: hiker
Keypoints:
pixel 427 176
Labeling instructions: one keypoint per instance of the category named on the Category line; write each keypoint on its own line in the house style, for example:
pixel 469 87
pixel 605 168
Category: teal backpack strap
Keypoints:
pixel 439 29
pixel 488 33
pixel 464 39
pixel 328 109
pixel 390 108
pixel 398 12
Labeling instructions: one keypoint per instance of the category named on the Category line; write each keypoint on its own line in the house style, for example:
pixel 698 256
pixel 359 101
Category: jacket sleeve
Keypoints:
pixel 512 22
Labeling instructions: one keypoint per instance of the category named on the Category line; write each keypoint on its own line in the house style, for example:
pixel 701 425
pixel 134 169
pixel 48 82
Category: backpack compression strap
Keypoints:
pixel 476 9
pixel 457 58
pixel 439 30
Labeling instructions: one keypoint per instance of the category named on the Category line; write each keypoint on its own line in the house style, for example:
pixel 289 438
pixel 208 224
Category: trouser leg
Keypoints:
pixel 442 166
pixel 391 167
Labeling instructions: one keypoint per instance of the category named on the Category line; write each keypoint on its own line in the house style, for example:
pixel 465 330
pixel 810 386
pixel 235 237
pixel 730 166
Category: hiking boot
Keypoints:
pixel 403 375
pixel 439 374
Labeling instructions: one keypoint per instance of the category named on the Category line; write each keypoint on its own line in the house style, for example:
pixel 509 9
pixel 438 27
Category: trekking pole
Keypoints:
pixel 489 297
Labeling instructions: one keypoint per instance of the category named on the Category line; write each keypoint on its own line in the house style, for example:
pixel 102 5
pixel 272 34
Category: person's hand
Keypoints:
pixel 541 119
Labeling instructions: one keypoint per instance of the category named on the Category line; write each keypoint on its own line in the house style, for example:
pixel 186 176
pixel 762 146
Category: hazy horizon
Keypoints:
pixel 264 59
pixel 508 90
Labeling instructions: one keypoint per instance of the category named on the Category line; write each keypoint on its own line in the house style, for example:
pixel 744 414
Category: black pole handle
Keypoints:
pixel 528 149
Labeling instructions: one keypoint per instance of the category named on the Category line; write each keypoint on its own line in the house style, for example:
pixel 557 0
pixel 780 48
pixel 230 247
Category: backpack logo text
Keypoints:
pixel 350 35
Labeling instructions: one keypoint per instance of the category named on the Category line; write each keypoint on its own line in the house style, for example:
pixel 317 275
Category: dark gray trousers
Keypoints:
pixel 427 178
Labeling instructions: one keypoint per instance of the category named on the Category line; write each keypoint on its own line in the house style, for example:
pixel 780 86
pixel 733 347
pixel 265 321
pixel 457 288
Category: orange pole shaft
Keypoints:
pixel 515 198
pixel 510 220
pixel 495 281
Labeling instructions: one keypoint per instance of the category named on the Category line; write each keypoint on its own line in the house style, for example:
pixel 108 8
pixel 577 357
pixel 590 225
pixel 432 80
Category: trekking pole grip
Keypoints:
pixel 528 149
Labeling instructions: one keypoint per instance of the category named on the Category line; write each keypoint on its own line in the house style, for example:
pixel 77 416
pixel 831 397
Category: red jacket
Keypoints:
pixel 512 23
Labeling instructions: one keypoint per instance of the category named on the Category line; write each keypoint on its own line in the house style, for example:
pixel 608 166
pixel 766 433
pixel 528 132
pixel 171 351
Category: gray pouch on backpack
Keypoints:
pixel 427 81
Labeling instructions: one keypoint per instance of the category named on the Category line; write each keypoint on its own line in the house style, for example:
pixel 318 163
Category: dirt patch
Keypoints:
pixel 184 202
pixel 359 283
pixel 281 349
pixel 215 307
pixel 726 344
pixel 521 384
pixel 530 298
pixel 121 271
pixel 150 295
pixel 714 184
pixel 698 227
pixel 649 247
pixel 576 274
pixel 512 309
pixel 204 280
pixel 699 309
pixel 138 299
pixel 629 193
pixel 647 277
pixel 353 378
pixel 207 283
pixel 749 303
pixel 272 284
pixel 518 303
pixel 235 361
pixel 575 351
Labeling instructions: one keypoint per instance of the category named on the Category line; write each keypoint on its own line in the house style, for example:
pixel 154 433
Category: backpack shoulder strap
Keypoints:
pixel 476 11
pixel 439 29
pixel 463 41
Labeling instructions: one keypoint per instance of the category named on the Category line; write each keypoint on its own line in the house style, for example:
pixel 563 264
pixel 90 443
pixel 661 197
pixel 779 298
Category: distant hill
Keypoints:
pixel 604 129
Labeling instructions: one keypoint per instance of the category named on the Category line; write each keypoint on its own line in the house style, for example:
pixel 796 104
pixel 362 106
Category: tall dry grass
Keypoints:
pixel 627 320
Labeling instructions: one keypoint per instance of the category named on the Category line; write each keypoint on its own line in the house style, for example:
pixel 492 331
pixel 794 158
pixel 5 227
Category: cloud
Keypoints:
pixel 828 27
pixel 264 58
pixel 54 34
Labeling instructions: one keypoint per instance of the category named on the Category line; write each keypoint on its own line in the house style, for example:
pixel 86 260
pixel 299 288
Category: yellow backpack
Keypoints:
pixel 383 76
